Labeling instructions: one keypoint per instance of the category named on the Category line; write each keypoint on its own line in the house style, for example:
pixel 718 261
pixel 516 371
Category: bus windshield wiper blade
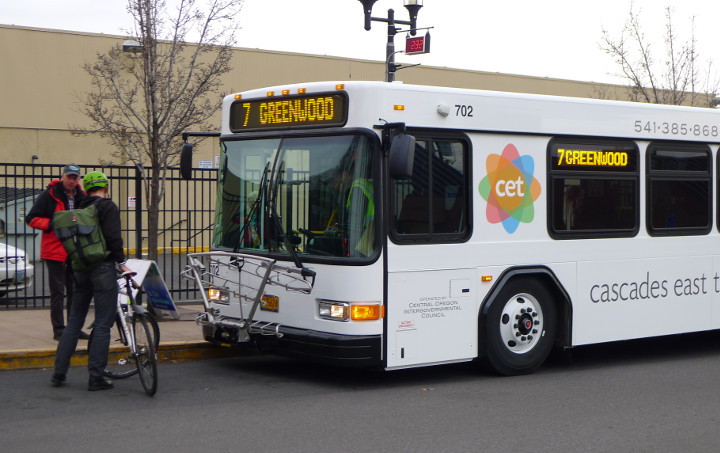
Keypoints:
pixel 286 240
pixel 274 188
pixel 254 207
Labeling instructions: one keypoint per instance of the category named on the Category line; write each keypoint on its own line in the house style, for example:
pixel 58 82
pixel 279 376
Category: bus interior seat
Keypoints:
pixel 325 245
pixel 414 215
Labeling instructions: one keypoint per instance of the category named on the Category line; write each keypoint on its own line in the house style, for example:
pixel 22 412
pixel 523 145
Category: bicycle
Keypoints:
pixel 139 355
pixel 124 290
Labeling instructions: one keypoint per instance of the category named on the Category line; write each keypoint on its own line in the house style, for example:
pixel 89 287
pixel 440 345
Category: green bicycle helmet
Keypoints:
pixel 95 180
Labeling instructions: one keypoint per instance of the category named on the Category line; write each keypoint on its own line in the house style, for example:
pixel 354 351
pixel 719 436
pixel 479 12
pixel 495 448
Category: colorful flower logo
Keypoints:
pixel 510 188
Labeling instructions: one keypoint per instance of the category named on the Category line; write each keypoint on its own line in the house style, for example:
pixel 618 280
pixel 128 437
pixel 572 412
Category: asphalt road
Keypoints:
pixel 658 395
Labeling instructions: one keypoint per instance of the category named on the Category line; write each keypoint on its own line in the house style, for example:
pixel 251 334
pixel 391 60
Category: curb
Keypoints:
pixel 171 351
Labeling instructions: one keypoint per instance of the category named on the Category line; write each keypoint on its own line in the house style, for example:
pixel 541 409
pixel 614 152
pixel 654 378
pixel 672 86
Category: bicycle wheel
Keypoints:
pixel 121 363
pixel 145 357
pixel 155 328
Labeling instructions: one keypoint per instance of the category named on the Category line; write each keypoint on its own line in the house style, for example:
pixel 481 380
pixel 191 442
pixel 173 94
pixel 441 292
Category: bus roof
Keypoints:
pixel 372 103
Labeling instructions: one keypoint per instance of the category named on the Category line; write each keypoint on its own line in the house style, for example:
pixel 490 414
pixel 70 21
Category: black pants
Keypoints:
pixel 99 283
pixel 60 278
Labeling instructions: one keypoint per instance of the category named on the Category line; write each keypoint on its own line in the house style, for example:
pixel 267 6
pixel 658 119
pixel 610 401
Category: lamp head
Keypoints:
pixel 132 46
pixel 367 8
pixel 413 6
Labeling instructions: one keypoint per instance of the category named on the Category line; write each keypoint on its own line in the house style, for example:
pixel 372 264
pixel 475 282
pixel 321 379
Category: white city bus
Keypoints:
pixel 394 226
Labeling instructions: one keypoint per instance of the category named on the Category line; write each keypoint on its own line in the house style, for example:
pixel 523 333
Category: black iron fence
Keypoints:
pixel 185 225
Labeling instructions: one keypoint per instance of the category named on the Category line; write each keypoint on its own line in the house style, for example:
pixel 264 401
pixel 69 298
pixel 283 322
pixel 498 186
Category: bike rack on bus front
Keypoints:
pixel 245 277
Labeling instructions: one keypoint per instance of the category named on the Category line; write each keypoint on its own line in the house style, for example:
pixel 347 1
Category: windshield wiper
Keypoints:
pixel 270 194
pixel 253 208
pixel 275 218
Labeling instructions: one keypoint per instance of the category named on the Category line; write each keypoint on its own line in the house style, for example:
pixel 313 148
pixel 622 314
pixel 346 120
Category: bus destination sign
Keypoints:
pixel 591 159
pixel 314 110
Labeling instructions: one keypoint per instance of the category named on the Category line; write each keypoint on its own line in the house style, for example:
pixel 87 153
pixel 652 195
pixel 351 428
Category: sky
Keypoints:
pixel 556 39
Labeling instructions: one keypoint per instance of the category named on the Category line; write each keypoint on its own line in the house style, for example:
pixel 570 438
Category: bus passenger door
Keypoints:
pixel 431 306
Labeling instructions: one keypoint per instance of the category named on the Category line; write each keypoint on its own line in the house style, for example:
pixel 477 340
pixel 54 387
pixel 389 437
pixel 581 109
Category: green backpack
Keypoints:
pixel 80 234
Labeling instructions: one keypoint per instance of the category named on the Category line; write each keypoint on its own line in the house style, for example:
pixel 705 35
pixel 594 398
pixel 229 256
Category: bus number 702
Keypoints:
pixel 463 110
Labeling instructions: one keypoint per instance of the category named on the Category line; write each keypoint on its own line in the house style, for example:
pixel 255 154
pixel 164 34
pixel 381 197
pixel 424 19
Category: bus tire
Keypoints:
pixel 521 325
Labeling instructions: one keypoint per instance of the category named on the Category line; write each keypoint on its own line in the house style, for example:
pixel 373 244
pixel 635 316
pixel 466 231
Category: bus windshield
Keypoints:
pixel 313 196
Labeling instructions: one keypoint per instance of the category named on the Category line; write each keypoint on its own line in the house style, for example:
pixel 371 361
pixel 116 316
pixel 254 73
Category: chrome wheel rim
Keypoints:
pixel 521 323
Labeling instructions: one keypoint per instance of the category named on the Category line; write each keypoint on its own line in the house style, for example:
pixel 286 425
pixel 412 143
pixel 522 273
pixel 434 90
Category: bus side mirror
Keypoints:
pixel 402 155
pixel 186 161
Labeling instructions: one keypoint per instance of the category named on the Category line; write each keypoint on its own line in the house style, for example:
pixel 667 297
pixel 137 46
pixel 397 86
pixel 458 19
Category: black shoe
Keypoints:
pixel 57 379
pixel 57 335
pixel 99 384
pixel 84 336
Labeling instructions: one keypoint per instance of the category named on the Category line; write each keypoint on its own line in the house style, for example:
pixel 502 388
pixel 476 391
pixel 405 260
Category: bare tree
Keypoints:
pixel 676 79
pixel 141 103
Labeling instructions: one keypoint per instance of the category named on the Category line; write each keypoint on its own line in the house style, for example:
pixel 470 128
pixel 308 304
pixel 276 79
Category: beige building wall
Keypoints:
pixel 42 87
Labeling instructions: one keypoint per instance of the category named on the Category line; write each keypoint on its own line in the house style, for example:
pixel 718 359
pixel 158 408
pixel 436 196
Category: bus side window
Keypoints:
pixel 593 198
pixel 679 189
pixel 432 202
pixel 413 196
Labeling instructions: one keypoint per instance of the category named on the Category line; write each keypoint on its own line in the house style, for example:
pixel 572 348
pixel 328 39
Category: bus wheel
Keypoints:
pixel 521 326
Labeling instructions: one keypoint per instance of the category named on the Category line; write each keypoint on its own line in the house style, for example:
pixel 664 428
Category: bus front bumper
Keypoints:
pixel 344 350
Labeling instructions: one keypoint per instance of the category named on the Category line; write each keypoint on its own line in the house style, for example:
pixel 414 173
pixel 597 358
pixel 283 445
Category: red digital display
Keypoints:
pixel 417 44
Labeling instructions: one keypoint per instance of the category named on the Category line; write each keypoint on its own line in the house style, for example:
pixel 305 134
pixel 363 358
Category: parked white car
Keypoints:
pixel 15 272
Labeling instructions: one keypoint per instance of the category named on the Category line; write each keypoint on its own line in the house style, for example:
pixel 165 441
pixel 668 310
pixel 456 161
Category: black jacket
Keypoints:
pixel 109 216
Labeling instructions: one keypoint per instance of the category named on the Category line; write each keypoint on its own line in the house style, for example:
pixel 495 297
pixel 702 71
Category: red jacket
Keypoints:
pixel 40 216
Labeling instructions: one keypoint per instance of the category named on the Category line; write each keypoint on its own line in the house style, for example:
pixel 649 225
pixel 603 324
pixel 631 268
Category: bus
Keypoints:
pixel 392 225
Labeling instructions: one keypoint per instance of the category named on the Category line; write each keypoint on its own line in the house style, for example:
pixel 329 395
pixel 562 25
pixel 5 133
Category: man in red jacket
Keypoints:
pixel 61 194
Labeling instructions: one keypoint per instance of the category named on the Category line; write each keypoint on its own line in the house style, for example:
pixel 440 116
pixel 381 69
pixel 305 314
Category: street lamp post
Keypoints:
pixel 413 6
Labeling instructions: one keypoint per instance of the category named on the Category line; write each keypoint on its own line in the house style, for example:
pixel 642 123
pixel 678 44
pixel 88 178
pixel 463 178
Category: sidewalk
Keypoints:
pixel 26 339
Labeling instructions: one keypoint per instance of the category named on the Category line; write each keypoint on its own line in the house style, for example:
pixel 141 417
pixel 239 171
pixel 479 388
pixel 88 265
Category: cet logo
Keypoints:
pixel 510 188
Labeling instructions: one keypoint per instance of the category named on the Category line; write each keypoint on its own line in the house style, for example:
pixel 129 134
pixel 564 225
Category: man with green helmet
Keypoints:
pixel 99 282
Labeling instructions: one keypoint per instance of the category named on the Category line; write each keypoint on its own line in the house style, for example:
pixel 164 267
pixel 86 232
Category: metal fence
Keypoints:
pixel 185 225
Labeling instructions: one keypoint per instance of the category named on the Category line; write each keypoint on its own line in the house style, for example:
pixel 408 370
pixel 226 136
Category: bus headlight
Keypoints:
pixel 343 311
pixel 218 295
pixel 336 311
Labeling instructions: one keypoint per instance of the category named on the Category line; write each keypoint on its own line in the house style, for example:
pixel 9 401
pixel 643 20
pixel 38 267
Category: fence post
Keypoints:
pixel 138 213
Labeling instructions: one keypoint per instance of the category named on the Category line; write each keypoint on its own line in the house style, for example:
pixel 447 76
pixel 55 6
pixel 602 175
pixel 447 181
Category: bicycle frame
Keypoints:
pixel 125 312
pixel 129 317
